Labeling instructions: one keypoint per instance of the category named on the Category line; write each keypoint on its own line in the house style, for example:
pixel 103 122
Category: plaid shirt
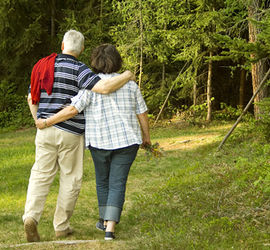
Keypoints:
pixel 111 120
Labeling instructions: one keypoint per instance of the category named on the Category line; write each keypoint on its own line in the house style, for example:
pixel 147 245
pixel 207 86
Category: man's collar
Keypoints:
pixel 67 56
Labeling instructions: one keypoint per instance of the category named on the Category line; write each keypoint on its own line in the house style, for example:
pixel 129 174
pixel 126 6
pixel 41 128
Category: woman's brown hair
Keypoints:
pixel 106 59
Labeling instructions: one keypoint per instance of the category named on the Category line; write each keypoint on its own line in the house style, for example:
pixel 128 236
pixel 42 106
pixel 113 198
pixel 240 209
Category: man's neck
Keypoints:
pixel 69 53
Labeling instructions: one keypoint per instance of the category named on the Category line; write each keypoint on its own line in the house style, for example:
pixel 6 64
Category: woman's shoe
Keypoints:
pixel 100 225
pixel 109 236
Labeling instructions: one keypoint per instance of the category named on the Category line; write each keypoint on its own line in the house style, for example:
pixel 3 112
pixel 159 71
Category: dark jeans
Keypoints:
pixel 112 168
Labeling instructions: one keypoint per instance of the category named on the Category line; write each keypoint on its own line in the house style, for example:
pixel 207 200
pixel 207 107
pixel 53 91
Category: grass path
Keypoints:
pixel 192 198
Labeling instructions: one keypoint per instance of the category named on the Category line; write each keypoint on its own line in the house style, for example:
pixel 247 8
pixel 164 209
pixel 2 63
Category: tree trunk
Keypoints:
pixel 258 69
pixel 195 89
pixel 167 97
pixel 242 88
pixel 163 76
pixel 141 45
pixel 52 19
pixel 209 89
pixel 101 11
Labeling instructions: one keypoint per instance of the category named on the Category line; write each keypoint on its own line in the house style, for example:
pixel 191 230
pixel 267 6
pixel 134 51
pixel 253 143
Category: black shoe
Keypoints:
pixel 109 236
pixel 100 225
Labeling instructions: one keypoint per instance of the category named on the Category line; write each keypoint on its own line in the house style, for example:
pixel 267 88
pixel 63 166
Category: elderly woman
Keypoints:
pixel 112 133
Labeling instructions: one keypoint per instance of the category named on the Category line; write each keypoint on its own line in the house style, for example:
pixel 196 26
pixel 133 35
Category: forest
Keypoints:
pixel 192 58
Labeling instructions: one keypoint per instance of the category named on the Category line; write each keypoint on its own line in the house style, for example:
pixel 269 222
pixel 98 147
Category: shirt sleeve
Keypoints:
pixel 81 100
pixel 140 103
pixel 86 78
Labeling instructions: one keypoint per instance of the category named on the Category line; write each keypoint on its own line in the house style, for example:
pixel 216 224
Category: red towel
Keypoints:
pixel 42 77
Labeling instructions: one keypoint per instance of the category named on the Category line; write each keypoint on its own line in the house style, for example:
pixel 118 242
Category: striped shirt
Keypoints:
pixel 70 75
pixel 111 120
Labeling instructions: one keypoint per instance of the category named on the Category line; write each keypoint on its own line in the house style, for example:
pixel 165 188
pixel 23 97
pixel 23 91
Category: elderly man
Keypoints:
pixel 54 81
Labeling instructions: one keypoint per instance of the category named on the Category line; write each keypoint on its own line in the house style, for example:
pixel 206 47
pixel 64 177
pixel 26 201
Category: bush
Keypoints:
pixel 227 113
pixel 14 108
pixel 252 135
pixel 264 121
pixel 17 115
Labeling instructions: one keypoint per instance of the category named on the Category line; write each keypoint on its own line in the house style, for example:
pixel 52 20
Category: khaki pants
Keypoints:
pixel 56 150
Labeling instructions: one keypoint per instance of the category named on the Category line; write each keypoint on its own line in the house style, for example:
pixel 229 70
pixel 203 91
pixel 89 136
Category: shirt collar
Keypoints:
pixel 67 56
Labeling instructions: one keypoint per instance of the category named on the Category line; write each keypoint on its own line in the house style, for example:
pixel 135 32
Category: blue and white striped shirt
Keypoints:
pixel 70 75
pixel 111 120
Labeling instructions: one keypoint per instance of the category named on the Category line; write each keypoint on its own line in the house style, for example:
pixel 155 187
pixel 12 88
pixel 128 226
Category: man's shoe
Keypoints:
pixel 30 229
pixel 64 233
pixel 109 236
pixel 100 225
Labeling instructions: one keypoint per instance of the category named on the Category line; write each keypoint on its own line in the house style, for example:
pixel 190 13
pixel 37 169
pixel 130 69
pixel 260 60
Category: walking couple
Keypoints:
pixel 61 88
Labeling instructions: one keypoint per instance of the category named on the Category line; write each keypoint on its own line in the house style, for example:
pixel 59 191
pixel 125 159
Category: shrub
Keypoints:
pixel 264 121
pixel 227 112
pixel 17 115
pixel 14 111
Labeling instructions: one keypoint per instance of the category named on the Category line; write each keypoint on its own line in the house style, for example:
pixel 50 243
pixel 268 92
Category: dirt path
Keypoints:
pixel 192 141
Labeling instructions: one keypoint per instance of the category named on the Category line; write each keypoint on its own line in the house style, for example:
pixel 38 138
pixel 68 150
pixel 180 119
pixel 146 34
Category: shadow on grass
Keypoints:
pixel 14 179
pixel 199 204
pixel 7 218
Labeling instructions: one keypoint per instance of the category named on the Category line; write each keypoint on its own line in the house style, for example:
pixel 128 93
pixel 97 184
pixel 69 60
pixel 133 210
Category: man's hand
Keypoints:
pixel 41 123
pixel 106 86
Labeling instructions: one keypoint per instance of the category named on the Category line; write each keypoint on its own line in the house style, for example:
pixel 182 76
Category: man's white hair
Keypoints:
pixel 73 42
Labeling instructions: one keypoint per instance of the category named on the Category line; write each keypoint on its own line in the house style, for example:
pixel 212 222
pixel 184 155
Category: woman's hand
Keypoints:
pixel 146 142
pixel 41 123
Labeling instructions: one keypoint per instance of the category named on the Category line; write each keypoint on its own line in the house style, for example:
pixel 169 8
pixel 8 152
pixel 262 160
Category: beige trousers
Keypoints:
pixel 56 150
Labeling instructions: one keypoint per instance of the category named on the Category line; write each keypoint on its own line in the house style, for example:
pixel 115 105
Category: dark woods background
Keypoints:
pixel 206 55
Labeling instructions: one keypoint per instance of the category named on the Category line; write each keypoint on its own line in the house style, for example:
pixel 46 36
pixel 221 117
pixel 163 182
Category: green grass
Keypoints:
pixel 192 198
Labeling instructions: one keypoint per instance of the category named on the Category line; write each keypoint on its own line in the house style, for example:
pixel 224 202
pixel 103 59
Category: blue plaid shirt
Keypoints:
pixel 111 120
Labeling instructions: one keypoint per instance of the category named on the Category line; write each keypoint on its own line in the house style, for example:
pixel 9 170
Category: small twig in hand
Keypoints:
pixel 153 150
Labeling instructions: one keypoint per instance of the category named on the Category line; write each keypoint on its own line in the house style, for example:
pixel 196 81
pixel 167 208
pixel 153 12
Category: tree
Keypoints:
pixel 258 68
pixel 209 88
pixel 245 42
pixel 242 88
pixel 201 21
pixel 144 32
pixel 26 30
pixel 30 30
